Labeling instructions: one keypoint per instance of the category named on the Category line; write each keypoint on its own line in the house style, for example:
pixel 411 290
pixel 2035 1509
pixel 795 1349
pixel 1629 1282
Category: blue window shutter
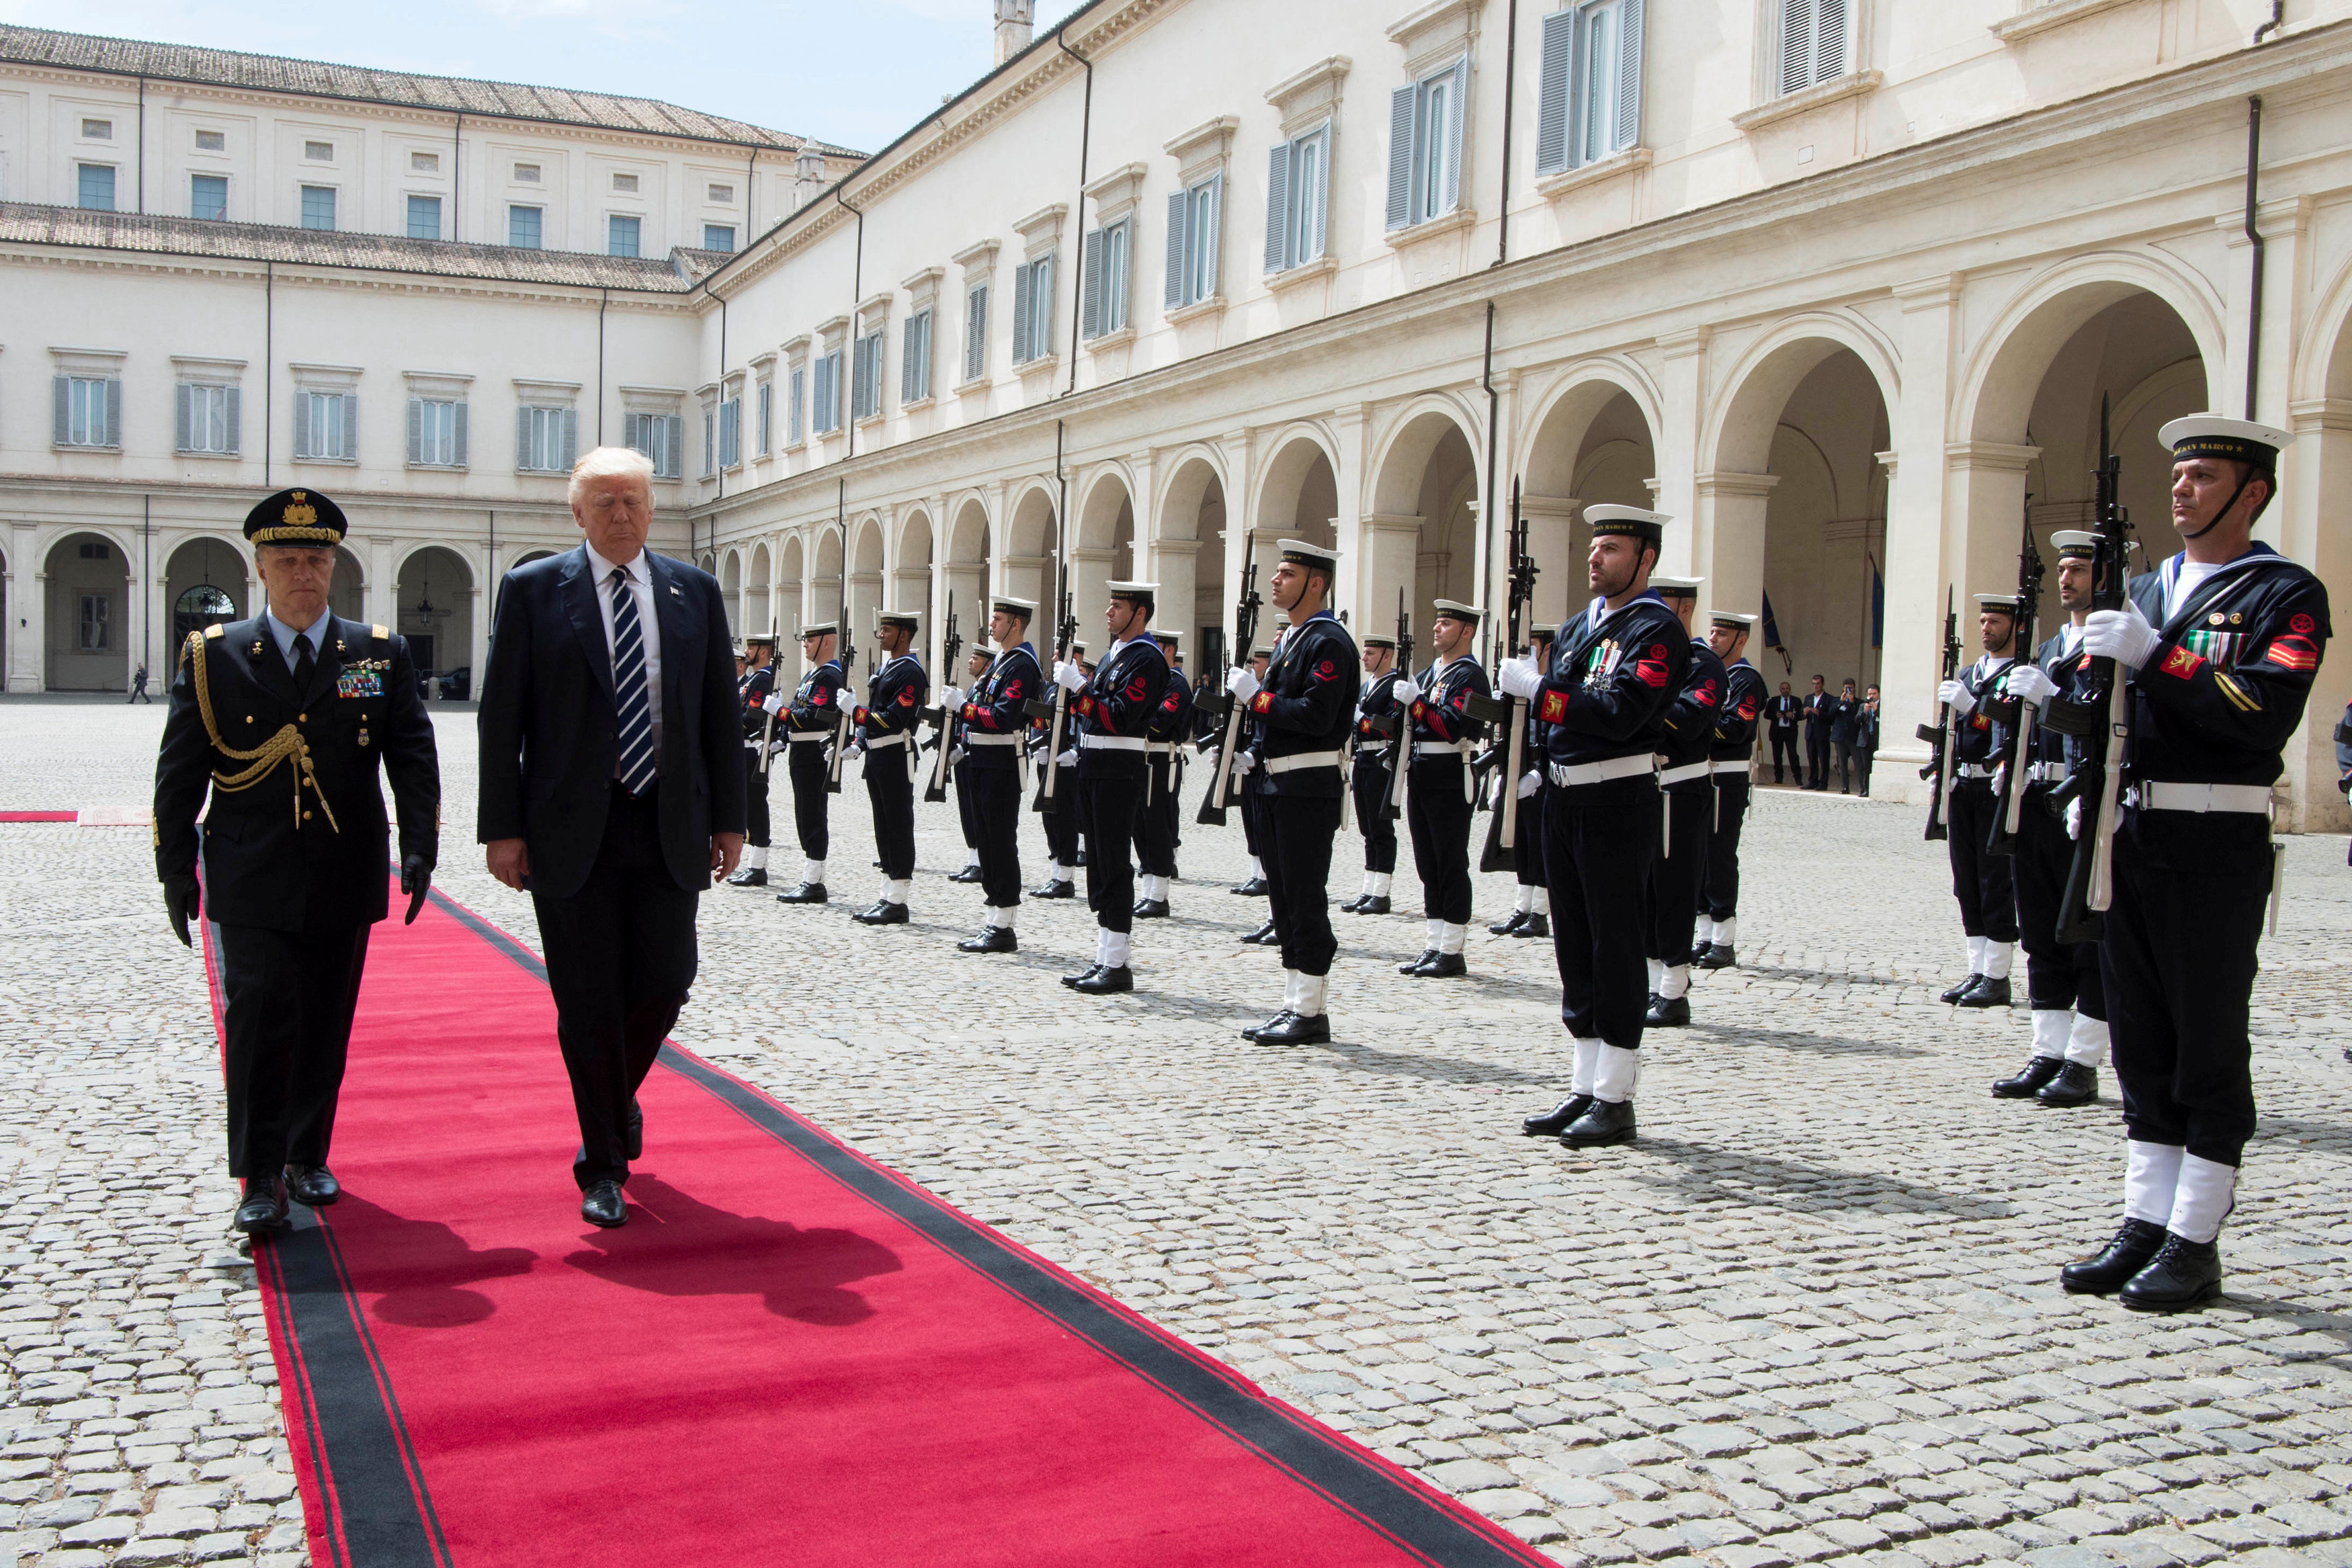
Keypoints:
pixel 1401 104
pixel 1553 94
pixel 184 422
pixel 1279 251
pixel 1829 40
pixel 1041 315
pixel 673 446
pixel 1179 214
pixel 1629 73
pixel 1796 44
pixel 234 397
pixel 975 333
pixel 302 425
pixel 345 412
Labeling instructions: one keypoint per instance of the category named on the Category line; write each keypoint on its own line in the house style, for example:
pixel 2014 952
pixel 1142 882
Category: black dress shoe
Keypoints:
pixel 633 1137
pixel 1439 967
pixel 1104 979
pixel 749 876
pixel 995 939
pixel 2021 1085
pixel 1412 965
pixel 1081 861
pixel 884 913
pixel 1291 1028
pixel 1605 1122
pixel 1253 888
pixel 1264 936
pixel 1356 904
pixel 264 1206
pixel 1954 993
pixel 2182 1274
pixel 1559 1119
pixel 312 1187
pixel 1088 973
pixel 806 893
pixel 2124 1255
pixel 1151 909
pixel 602 1205
pixel 1504 927
pixel 1378 905
pixel 1714 955
pixel 969 873
pixel 2077 1083
pixel 1537 923
pixel 1987 992
pixel 1668 1012
pixel 1277 1021
pixel 1056 890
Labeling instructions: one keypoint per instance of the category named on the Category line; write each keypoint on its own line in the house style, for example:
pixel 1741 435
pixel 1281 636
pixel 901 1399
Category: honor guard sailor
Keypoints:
pixel 1614 671
pixel 283 720
pixel 1729 757
pixel 1686 781
pixel 887 720
pixel 978 660
pixel 1376 706
pixel 996 731
pixel 811 719
pixel 1063 825
pixel 1115 704
pixel 2222 644
pixel 1530 917
pixel 1303 709
pixel 1254 885
pixel 755 686
pixel 1981 881
pixel 1440 796
pixel 1158 827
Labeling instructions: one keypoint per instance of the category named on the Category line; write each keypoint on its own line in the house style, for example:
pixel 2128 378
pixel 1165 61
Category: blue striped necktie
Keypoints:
pixel 632 703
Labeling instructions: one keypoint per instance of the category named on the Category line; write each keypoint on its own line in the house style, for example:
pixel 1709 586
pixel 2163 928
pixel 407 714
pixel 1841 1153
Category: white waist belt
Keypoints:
pixel 973 738
pixel 1437 748
pixel 1296 760
pixel 1093 742
pixel 876 742
pixel 2047 773
pixel 807 737
pixel 1687 771
pixel 1971 770
pixel 1372 749
pixel 2252 800
pixel 1161 747
pixel 1735 765
pixel 1566 774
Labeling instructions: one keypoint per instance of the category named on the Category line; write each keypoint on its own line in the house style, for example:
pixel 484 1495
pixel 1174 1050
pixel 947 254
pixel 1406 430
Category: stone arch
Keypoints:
pixel 910 573
pixel 92 636
pixel 1593 438
pixel 1737 439
pixel 1031 537
pixel 1191 512
pixel 1103 550
pixel 731 589
pixel 1424 534
pixel 758 604
pixel 967 569
pixel 791 604
pixel 205 582
pixel 865 583
pixel 433 599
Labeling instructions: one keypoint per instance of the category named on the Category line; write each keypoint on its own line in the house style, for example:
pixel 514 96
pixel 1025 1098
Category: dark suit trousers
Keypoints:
pixel 1784 745
pixel 1598 839
pixel 804 762
pixel 1864 758
pixel 1295 833
pixel 287 1001
pixel 755 799
pixel 893 797
pixel 1109 808
pixel 620 955
pixel 995 797
pixel 1439 819
pixel 1817 755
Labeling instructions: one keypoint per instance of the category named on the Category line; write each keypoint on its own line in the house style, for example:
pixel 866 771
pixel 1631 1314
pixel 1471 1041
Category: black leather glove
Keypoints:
pixel 416 881
pixel 183 902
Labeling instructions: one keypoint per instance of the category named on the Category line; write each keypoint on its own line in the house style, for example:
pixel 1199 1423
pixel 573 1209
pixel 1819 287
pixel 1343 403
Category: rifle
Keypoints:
pixel 768 727
pixel 943 737
pixel 1400 753
pixel 2101 722
pixel 1502 833
pixel 1940 733
pixel 848 655
pixel 1056 713
pixel 1220 793
pixel 2016 712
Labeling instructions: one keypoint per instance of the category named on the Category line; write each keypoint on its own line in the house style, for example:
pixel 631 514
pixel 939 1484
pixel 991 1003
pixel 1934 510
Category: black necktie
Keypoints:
pixel 302 663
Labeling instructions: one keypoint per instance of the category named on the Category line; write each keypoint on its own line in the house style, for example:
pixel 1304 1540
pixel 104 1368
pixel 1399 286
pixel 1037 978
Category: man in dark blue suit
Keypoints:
pixel 612 791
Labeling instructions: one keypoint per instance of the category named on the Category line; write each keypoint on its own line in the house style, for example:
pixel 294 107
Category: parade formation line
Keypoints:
pixel 791 1354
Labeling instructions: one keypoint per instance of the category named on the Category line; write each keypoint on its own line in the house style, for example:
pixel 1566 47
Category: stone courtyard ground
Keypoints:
pixel 1812 1316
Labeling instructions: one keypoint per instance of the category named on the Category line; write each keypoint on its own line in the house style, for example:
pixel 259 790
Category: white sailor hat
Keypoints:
pixel 1305 554
pixel 2075 544
pixel 1141 592
pixel 2212 435
pixel 1455 610
pixel 909 618
pixel 1611 518
pixel 1676 587
pixel 819 629
pixel 1733 619
pixel 1167 639
pixel 979 647
pixel 2004 603
pixel 1261 652
pixel 1024 607
pixel 1379 639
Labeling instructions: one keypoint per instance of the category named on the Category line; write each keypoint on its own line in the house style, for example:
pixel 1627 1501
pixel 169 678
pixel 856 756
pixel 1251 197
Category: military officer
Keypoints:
pixel 1159 827
pixel 282 721
pixel 1378 722
pixel 1439 800
pixel 887 721
pixel 1118 702
pixel 1531 915
pixel 812 719
pixel 2222 644
pixel 1066 822
pixel 1304 708
pixel 1727 759
pixel 996 771
pixel 1686 780
pixel 977 660
pixel 1981 881
pixel 1615 668
pixel 756 684
pixel 2061 979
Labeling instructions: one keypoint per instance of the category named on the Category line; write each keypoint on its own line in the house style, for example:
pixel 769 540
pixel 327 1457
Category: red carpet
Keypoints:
pixel 790 1355
pixel 40 816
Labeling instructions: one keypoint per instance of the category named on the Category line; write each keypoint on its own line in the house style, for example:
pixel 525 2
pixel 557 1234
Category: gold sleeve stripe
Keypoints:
pixel 2236 693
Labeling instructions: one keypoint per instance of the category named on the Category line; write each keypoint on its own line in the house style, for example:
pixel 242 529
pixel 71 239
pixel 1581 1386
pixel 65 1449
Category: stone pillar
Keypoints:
pixel 1921 535
pixel 28 609
pixel 1392 550
pixel 1353 587
pixel 1674 490
pixel 2315 497
pixel 1559 572
pixel 1728 532
pixel 1174 565
pixel 478 619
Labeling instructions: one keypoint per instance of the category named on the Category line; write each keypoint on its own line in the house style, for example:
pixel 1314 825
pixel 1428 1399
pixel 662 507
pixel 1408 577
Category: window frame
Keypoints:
pixel 763 424
pixel 195 178
pixel 83 170
pixel 825 393
pixel 1109 307
pixel 915 355
pixel 664 434
pixel 1849 20
pixel 204 418
pixel 538 212
pixel 336 409
pixel 305 195
pixel 409 213
pixel 1298 208
pixel 449 437
pixel 975 333
pixel 727 229
pixel 78 399
pixel 547 437
pixel 636 227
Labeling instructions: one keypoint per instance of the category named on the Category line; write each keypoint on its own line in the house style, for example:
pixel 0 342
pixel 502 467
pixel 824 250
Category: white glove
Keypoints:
pixel 844 702
pixel 955 754
pixel 1241 684
pixel 1068 759
pixel 1407 692
pixel 775 703
pixel 1242 762
pixel 2075 818
pixel 2027 680
pixel 951 697
pixel 2122 635
pixel 1955 696
pixel 2001 780
pixel 1068 676
pixel 1530 782
pixel 1519 678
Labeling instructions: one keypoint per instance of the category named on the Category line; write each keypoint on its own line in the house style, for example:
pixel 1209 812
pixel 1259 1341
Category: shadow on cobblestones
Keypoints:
pixel 1797 1039
pixel 1713 1173
pixel 1438 1069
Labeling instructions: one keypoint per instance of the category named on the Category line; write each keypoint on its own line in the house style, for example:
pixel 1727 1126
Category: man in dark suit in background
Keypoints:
pixel 612 791
pixel 1821 711
pixel 1866 740
pixel 1781 714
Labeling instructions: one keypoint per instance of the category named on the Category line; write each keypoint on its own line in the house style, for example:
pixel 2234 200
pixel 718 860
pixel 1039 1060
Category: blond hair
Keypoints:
pixel 604 462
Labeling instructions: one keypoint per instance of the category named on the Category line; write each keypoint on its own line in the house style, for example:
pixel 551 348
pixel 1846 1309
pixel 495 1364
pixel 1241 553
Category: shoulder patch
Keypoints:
pixel 379 631
pixel 214 629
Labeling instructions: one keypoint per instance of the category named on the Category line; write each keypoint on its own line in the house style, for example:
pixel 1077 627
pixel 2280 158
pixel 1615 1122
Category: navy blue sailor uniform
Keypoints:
pixel 1376 706
pixel 1159 827
pixel 1686 784
pixel 896 695
pixel 754 689
pixel 1729 756
pixel 1439 802
pixel 811 720
pixel 995 736
pixel 1302 711
pixel 1984 883
pixel 1118 706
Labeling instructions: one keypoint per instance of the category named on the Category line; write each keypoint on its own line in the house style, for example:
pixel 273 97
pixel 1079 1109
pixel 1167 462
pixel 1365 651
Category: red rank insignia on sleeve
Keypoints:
pixel 2299 655
pixel 1461 703
pixel 907 697
pixel 1263 701
pixel 1747 709
pixel 2303 624
pixel 1652 668
pixel 2181 663
pixel 1175 700
pixel 1554 708
pixel 1134 690
pixel 1013 690
pixel 1326 670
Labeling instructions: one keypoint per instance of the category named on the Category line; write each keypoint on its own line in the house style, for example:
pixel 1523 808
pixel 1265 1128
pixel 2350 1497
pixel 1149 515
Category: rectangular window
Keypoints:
pixel 425 163
pixel 96 623
pixel 730 433
pixel 94 188
pixel 659 436
pixel 1106 259
pixel 1194 224
pixel 208 196
pixel 865 376
pixel 436 432
pixel 1589 100
pixel 763 431
pixel 626 183
pixel 719 236
pixel 97 130
pixel 317 206
pixel 522 227
pixel 1297 197
pixel 325 426
pixel 795 406
pixel 547 440
pixel 1425 129
pixel 975 332
pixel 1033 311
pixel 825 416
pixel 527 173
pixel 915 359
pixel 424 217
pixel 206 419
pixel 212 141
pixel 319 151
pixel 89 412
pixel 621 235
pixel 1812 42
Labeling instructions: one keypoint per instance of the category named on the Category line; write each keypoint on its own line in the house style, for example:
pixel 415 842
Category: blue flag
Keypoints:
pixel 1771 627
pixel 1877 606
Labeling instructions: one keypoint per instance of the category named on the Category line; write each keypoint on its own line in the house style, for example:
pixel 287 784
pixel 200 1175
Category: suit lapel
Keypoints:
pixel 334 633
pixel 580 607
pixel 268 667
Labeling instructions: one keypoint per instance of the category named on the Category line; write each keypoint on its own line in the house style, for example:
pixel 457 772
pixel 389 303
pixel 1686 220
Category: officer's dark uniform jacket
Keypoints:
pixel 1120 702
pixel 1610 681
pixel 816 702
pixel 995 706
pixel 1306 703
pixel 1690 720
pixel 1734 739
pixel 755 687
pixel 279 854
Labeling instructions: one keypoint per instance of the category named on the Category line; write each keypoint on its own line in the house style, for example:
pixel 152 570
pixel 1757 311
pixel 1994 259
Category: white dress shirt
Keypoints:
pixel 286 635
pixel 641 584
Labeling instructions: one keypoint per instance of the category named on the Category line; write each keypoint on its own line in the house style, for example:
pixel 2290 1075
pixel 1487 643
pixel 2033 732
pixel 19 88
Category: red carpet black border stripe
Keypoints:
pixel 1384 1499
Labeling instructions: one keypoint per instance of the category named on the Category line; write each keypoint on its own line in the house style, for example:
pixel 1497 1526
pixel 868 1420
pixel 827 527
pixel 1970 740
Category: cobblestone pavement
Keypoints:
pixel 1811 1316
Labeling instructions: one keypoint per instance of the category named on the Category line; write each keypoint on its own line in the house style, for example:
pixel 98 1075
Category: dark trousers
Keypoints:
pixel 1249 824
pixel 1670 911
pixel 1527 839
pixel 1296 832
pixel 806 764
pixel 2057 974
pixel 1980 882
pixel 1817 755
pixel 620 955
pixel 2179 967
pixel 755 799
pixel 1370 784
pixel 1064 821
pixel 892 794
pixel 965 817
pixel 1598 839
pixel 1865 758
pixel 1439 819
pixel 288 999
pixel 1108 807
pixel 1784 745
pixel 1718 889
pixel 1157 825
pixel 994 794
pixel 1844 766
